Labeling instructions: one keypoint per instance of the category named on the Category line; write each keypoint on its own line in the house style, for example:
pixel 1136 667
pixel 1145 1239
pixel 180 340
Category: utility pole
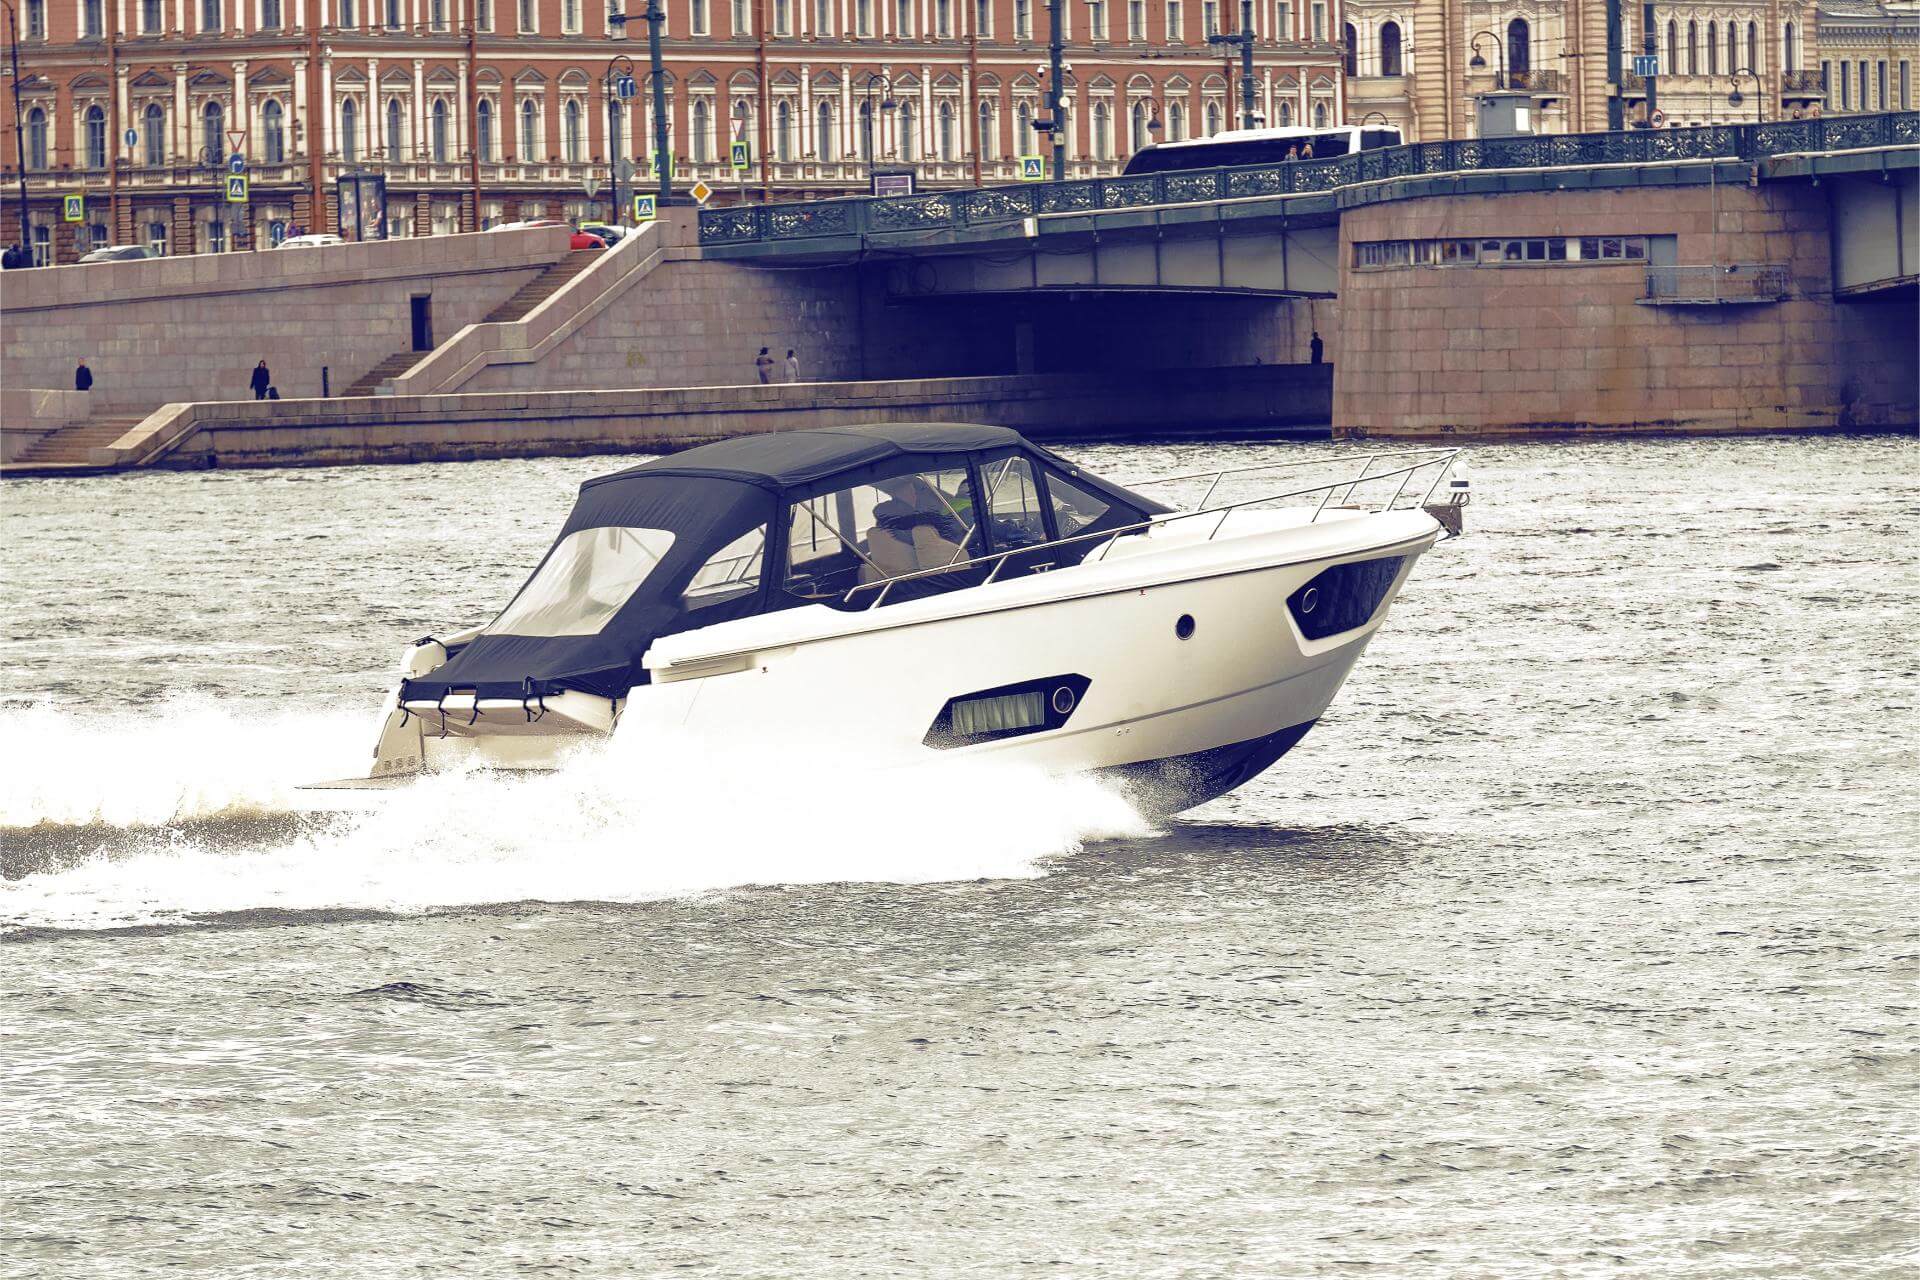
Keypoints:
pixel 1244 39
pixel 1651 48
pixel 662 161
pixel 1616 109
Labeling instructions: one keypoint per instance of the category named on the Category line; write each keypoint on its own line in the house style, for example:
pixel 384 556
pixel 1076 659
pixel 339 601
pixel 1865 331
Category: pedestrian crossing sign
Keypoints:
pixel 643 208
pixel 73 208
pixel 742 156
pixel 236 188
pixel 1032 169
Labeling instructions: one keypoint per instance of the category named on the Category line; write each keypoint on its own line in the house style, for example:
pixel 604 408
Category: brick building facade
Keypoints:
pixel 309 90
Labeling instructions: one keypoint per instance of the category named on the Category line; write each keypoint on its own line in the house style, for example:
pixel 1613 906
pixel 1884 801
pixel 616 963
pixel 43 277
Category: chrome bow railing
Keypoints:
pixel 1438 461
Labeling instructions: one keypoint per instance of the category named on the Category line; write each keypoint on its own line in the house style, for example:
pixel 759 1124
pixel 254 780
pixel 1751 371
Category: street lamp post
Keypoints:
pixel 1056 62
pixel 1735 98
pixel 1479 63
pixel 1369 118
pixel 19 129
pixel 886 104
pixel 1243 39
pixel 619 67
pixel 655 17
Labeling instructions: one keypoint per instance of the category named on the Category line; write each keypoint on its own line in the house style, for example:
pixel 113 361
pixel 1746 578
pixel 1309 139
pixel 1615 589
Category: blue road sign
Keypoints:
pixel 130 137
pixel 1646 64
pixel 625 87
pixel 643 209
pixel 236 163
pixel 1032 169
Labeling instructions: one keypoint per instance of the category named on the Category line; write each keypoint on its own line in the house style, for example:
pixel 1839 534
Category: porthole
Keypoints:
pixel 1184 627
pixel 1063 700
pixel 1309 598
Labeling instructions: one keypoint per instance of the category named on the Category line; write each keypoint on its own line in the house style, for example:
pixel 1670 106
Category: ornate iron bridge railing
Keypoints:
pixel 938 211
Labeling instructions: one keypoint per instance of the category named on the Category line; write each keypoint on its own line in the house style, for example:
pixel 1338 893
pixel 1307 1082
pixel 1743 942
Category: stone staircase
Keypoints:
pixel 525 299
pixel 72 446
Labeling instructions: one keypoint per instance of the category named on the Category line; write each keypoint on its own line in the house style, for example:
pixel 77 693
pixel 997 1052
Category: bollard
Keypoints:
pixel 324 392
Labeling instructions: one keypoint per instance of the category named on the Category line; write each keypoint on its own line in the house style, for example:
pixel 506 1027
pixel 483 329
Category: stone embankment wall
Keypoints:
pixel 1428 350
pixel 650 420
pixel 191 328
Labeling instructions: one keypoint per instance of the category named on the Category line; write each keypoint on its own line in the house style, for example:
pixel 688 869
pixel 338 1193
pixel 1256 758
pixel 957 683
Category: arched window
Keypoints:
pixel 483 130
pixel 96 131
pixel 1693 48
pixel 989 140
pixel 213 133
pixel 438 140
pixel 1389 48
pixel 1213 118
pixel 1791 59
pixel 783 131
pixel 273 136
pixel 909 137
pixel 349 131
pixel 863 117
pixel 702 131
pixel 396 130
pixel 1733 48
pixel 1519 49
pixel 1286 115
pixel 1672 60
pixel 1319 115
pixel 209 15
pixel 1352 41
pixel 1753 46
pixel 528 143
pixel 945 130
pixel 1140 135
pixel 153 134
pixel 270 15
pixel 1713 48
pixel 1176 122
pixel 823 139
pixel 1102 131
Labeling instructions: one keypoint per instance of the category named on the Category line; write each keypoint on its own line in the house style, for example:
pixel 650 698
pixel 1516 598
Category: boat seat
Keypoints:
pixel 890 555
pixel 932 550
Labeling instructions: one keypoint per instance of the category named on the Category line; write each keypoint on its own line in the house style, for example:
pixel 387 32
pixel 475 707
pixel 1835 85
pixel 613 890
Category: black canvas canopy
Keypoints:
pixel 706 497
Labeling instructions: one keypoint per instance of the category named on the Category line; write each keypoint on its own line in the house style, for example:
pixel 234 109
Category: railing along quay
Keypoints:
pixel 986 206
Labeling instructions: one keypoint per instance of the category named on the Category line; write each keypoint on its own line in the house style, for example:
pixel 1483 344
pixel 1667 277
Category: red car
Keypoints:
pixel 579 240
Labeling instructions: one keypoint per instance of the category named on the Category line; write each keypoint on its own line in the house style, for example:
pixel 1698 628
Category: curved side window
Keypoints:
pixel 585 580
pixel 730 574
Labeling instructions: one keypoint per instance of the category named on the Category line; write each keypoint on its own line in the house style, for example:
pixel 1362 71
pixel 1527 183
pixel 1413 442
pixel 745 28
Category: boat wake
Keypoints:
pixel 194 810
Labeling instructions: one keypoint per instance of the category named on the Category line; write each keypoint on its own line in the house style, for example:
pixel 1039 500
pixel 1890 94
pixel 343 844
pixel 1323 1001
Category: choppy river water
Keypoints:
pixel 1578 939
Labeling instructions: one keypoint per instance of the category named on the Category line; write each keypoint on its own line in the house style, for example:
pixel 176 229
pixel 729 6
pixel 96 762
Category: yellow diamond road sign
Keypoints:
pixel 701 191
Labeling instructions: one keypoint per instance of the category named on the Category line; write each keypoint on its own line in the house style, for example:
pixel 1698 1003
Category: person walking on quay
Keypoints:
pixel 1316 350
pixel 764 363
pixel 83 378
pixel 261 380
pixel 11 258
pixel 793 366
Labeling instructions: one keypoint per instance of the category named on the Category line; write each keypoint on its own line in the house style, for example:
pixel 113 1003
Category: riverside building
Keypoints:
pixel 481 111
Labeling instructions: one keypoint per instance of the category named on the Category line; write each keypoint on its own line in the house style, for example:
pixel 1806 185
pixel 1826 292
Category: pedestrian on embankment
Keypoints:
pixel 764 364
pixel 83 378
pixel 11 258
pixel 793 366
pixel 1316 350
pixel 262 379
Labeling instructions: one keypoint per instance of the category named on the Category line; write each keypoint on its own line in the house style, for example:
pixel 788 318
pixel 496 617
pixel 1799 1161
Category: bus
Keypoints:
pixel 1260 146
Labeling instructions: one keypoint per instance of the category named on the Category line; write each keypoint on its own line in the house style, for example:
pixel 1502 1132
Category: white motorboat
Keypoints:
pixel 928 589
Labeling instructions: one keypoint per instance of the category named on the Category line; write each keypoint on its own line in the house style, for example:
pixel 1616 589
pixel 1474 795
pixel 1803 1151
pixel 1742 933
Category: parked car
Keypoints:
pixel 612 235
pixel 581 239
pixel 312 240
pixel 119 253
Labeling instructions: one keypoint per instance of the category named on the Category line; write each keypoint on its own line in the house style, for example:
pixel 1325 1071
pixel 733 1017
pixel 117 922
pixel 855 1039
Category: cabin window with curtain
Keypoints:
pixel 96 136
pixel 153 133
pixel 396 130
pixel 349 131
pixel 273 134
pixel 152 17
pixel 1390 49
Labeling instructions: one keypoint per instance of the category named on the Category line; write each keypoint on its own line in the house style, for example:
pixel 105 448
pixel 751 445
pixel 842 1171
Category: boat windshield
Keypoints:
pixel 584 582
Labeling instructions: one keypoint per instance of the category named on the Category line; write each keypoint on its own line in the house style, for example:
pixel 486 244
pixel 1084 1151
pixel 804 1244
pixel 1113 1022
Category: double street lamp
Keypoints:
pixel 655 17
